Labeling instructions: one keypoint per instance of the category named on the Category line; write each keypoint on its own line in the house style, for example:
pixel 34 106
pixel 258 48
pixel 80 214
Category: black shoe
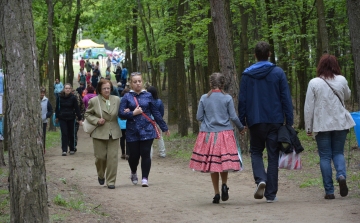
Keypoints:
pixel 329 196
pixel 224 192
pixel 111 186
pixel 101 181
pixel 75 149
pixel 216 199
pixel 343 187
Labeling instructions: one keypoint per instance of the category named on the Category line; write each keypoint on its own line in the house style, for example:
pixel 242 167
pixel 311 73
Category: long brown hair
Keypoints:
pixel 217 80
pixel 328 67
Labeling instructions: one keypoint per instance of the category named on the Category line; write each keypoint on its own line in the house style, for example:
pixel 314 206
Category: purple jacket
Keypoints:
pixel 87 97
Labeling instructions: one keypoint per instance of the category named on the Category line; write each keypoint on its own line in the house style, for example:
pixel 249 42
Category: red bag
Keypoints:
pixel 290 161
pixel 150 120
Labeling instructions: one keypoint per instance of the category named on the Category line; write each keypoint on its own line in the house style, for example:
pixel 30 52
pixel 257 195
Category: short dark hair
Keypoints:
pixel 262 50
pixel 328 67
pixel 126 90
pixel 42 89
pixel 153 92
pixel 90 89
pixel 100 84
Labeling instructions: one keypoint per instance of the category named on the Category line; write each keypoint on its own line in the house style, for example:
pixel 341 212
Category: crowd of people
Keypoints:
pixel 130 116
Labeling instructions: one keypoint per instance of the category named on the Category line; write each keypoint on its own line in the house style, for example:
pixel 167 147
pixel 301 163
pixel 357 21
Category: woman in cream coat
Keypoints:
pixel 328 120
pixel 107 133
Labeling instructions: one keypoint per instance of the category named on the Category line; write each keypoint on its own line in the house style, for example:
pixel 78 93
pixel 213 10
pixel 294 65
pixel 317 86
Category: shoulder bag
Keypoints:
pixel 87 126
pixel 334 92
pixel 150 120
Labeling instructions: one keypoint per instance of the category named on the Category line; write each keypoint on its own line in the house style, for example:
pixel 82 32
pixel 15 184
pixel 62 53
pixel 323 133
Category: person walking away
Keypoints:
pixel 90 94
pixel 82 112
pixel 124 74
pixel 66 110
pixel 140 132
pixel 108 63
pixel 160 106
pixel 118 73
pixel 58 88
pixel 82 77
pixel 103 111
pixel 46 112
pixel 82 63
pixel 264 101
pixel 327 119
pixel 215 149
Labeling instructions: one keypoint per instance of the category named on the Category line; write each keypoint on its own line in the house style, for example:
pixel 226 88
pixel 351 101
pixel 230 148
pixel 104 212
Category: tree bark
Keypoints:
pixel 244 43
pixel 134 60
pixel 51 54
pixel 353 8
pixel 213 56
pixel 194 99
pixel 28 190
pixel 269 19
pixel 183 112
pixel 320 7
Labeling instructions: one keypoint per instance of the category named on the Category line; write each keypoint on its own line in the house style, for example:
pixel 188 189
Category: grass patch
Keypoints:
pixel 58 217
pixel 181 154
pixel 4 206
pixel 311 183
pixel 59 200
pixel 74 203
pixel 52 139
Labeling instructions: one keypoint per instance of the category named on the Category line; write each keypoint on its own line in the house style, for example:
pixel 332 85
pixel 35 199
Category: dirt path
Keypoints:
pixel 176 194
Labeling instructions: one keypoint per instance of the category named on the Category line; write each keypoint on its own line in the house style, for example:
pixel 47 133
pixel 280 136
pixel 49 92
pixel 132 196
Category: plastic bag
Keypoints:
pixel 290 161
pixel 54 122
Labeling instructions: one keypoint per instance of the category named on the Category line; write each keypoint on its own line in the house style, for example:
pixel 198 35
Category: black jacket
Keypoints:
pixel 288 140
pixel 67 107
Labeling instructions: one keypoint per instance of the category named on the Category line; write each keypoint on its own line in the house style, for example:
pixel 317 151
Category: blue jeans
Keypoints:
pixel 261 135
pixel 331 147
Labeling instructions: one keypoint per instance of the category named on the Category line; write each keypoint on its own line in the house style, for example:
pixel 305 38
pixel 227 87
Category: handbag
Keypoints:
pixel 290 161
pixel 150 120
pixel 87 126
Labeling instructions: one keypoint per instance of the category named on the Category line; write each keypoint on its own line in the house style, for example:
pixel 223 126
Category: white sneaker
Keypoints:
pixel 144 182
pixel 134 178
pixel 272 201
pixel 260 189
pixel 163 155
pixel 63 154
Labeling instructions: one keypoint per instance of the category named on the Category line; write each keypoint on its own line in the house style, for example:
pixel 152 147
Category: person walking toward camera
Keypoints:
pixel 327 119
pixel 46 112
pixel 102 112
pixel 66 111
pixel 137 106
pixel 264 101
pixel 215 149
pixel 160 106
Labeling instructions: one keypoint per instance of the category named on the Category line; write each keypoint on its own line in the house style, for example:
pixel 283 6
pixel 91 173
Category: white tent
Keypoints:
pixel 87 43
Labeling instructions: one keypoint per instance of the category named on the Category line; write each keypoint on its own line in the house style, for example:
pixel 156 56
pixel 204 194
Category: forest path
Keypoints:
pixel 177 194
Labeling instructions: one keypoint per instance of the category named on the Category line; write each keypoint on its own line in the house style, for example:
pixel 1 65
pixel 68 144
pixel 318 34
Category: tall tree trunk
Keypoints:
pixel 269 19
pixel 212 56
pixel 194 100
pixel 134 60
pixel 353 8
pixel 320 7
pixel 244 43
pixel 51 54
pixel 69 52
pixel 127 50
pixel 183 112
pixel 28 191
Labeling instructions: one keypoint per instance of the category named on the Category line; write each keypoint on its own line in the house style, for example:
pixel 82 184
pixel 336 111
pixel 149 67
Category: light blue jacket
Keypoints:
pixel 58 87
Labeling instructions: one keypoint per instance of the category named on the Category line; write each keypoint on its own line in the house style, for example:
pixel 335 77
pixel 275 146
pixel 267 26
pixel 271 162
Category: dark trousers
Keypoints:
pixel 44 134
pixel 123 81
pixel 140 149
pixel 118 78
pixel 75 133
pixel 261 135
pixel 67 128
pixel 122 142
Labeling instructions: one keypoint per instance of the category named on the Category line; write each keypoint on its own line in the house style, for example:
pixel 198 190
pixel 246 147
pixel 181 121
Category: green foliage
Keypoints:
pixel 52 139
pixel 59 200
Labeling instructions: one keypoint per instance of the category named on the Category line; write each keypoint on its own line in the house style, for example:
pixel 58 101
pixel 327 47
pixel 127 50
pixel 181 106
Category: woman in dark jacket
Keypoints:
pixel 140 133
pixel 66 108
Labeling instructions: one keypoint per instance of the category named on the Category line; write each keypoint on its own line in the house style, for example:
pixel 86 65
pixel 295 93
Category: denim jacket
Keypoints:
pixel 138 128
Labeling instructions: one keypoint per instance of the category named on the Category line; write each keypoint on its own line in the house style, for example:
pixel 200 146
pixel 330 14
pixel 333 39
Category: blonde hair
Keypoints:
pixel 217 80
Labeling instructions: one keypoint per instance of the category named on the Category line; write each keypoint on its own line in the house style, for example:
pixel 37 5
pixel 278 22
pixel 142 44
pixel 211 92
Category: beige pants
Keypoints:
pixel 106 154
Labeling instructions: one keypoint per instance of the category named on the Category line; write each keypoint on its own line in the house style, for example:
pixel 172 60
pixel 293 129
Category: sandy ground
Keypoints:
pixel 176 194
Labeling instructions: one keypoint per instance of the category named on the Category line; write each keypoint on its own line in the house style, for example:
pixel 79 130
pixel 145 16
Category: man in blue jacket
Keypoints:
pixel 264 105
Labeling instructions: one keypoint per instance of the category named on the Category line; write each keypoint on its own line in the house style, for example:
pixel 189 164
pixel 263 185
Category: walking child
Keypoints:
pixel 215 149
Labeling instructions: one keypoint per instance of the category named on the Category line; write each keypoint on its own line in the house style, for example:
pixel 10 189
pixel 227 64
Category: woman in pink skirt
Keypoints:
pixel 215 150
